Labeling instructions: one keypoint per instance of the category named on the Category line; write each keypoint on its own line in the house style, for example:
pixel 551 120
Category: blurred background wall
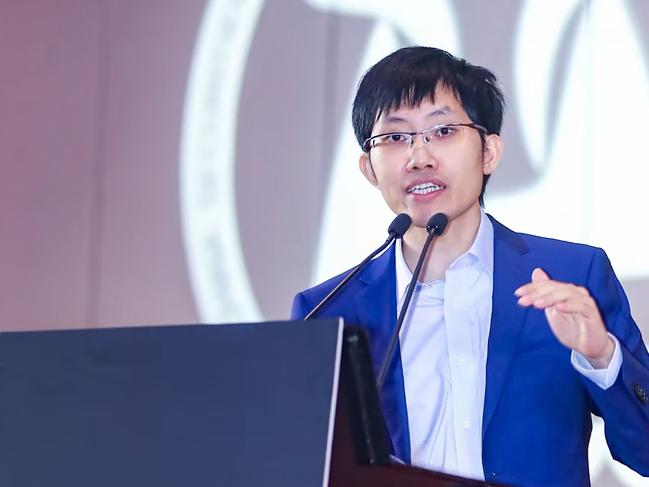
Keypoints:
pixel 183 161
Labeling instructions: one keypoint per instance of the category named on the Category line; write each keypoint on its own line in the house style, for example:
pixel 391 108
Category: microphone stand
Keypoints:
pixel 436 226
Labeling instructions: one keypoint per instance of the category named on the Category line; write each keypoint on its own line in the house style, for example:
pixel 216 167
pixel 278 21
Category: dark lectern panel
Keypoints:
pixel 227 405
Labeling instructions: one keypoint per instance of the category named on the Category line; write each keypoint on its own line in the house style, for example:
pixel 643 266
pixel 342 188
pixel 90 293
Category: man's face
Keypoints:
pixel 444 175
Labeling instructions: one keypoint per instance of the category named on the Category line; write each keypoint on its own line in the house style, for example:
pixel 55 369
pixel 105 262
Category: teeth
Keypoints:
pixel 425 188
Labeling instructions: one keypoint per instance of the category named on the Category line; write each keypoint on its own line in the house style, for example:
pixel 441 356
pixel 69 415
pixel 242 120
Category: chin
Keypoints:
pixel 420 221
pixel 420 218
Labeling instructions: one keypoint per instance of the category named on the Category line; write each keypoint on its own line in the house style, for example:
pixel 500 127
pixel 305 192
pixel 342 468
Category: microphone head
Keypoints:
pixel 399 225
pixel 437 224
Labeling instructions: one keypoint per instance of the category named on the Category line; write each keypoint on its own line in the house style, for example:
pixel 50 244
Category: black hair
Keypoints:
pixel 411 75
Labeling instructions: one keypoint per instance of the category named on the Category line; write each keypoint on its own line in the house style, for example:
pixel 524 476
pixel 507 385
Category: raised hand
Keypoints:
pixel 572 315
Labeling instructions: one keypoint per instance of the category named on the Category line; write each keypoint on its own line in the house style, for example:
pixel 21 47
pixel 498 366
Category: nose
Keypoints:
pixel 420 154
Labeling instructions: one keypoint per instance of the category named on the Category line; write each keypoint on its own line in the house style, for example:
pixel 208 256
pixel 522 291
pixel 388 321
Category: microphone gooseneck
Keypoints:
pixel 435 226
pixel 396 230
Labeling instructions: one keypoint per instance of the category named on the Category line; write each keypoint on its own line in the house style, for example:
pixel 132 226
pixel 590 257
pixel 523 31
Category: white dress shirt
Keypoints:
pixel 443 346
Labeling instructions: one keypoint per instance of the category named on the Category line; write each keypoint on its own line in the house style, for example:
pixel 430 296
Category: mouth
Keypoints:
pixel 425 188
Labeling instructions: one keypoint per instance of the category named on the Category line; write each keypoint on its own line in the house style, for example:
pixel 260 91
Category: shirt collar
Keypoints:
pixel 482 249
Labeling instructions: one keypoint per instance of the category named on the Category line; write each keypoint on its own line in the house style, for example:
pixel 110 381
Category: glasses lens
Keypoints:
pixel 390 144
pixel 445 134
pixel 397 144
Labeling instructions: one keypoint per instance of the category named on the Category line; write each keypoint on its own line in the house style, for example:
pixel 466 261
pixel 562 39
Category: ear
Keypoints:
pixel 365 165
pixel 493 151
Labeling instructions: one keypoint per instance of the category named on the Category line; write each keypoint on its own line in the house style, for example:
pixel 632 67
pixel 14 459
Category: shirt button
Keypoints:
pixel 462 361
pixel 466 424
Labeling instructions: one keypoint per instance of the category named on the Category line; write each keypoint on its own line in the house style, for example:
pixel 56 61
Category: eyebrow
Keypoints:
pixel 445 110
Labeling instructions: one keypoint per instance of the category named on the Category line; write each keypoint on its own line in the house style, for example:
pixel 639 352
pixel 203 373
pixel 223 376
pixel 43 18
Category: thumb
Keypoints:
pixel 539 275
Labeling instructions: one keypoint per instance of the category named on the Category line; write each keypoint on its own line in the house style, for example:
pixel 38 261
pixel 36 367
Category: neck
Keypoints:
pixel 457 239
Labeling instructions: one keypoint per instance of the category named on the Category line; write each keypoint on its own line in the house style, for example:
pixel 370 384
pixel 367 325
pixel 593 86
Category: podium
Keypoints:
pixel 268 404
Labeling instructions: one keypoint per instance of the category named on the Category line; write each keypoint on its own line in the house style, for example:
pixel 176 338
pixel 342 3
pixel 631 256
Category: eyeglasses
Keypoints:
pixel 398 143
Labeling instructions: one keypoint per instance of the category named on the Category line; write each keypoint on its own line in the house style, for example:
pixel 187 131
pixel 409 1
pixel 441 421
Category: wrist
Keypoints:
pixel 603 359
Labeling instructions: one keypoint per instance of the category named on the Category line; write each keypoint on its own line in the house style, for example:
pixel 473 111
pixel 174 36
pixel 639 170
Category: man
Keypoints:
pixel 511 340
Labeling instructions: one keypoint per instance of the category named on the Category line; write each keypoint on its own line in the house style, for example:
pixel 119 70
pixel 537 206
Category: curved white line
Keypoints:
pixel 217 269
pixel 539 31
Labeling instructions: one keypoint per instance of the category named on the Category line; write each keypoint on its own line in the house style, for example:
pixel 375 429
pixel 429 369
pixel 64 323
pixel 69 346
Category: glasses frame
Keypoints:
pixel 367 144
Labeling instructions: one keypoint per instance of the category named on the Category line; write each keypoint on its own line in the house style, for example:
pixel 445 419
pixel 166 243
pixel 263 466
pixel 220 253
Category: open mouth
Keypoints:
pixel 424 188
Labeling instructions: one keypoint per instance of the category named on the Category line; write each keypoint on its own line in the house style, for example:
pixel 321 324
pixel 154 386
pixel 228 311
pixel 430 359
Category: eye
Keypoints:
pixel 396 138
pixel 445 131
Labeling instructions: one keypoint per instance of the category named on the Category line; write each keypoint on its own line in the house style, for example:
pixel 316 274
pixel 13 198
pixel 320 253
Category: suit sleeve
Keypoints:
pixel 624 406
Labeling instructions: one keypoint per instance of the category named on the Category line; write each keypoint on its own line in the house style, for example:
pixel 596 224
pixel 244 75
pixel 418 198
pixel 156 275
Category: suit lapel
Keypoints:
pixel 376 308
pixel 512 269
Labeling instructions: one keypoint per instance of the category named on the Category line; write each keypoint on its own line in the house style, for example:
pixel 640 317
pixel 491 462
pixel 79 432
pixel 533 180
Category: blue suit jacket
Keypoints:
pixel 536 418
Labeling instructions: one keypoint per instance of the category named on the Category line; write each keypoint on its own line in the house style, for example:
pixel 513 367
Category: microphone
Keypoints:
pixel 435 226
pixel 396 230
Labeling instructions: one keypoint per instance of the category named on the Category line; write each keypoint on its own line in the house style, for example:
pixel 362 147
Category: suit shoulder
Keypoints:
pixel 319 291
pixel 568 259
pixel 536 242
pixel 379 269
pixel 307 299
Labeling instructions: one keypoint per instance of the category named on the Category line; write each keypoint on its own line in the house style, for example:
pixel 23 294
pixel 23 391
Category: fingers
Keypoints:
pixel 582 305
pixel 571 312
pixel 551 295
pixel 543 292
pixel 539 275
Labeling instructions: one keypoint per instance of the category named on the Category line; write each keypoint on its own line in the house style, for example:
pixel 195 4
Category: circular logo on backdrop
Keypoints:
pixel 271 197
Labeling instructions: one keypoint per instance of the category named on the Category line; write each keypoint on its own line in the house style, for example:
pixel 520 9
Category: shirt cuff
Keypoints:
pixel 604 378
